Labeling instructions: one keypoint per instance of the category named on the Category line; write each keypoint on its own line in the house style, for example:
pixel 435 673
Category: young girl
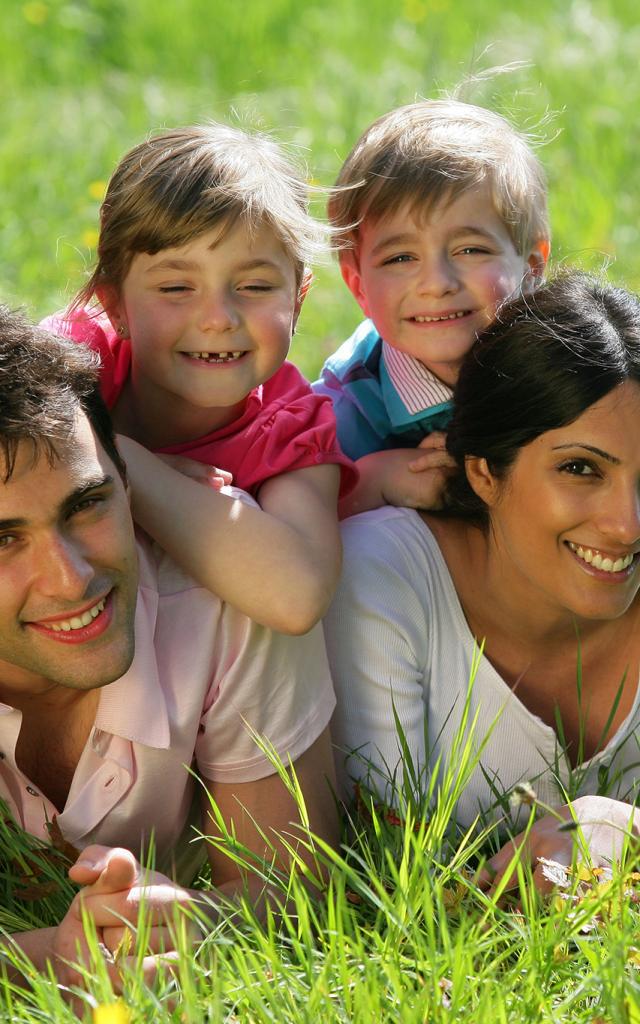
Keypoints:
pixel 204 238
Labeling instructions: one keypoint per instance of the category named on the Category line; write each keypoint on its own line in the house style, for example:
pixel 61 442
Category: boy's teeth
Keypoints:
pixel 216 357
pixel 599 561
pixel 78 621
pixel 435 319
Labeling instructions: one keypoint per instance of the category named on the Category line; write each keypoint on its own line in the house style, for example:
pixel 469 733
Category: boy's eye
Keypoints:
pixel 401 257
pixel 473 250
pixel 578 467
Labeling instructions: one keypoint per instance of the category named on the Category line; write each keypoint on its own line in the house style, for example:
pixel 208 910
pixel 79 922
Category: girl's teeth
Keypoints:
pixel 599 562
pixel 216 357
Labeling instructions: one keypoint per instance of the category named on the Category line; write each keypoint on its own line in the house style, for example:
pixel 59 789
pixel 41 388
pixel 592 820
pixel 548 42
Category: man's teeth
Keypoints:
pixel 595 559
pixel 78 621
pixel 435 319
pixel 216 357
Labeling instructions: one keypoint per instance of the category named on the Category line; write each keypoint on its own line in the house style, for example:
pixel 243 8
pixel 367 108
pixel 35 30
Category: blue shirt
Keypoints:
pixel 370 411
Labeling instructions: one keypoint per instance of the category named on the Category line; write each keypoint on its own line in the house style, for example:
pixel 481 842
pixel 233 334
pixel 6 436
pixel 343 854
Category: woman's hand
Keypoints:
pixel 592 828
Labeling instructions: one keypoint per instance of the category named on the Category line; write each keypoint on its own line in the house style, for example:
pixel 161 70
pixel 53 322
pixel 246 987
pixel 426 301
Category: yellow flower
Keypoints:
pixel 90 238
pixel 97 189
pixel 112 1013
pixel 35 13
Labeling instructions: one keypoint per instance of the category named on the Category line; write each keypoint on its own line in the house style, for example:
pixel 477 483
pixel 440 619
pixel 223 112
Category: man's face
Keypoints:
pixel 68 570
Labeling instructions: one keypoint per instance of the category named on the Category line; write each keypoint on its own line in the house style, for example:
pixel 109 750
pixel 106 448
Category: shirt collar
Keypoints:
pixel 418 388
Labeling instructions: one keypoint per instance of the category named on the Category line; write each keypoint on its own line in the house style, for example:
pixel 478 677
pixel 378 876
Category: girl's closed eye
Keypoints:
pixel 170 289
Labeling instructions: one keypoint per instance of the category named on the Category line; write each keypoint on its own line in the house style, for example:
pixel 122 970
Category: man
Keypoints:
pixel 117 672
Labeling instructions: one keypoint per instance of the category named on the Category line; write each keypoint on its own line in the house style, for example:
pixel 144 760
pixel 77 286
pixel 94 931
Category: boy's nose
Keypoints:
pixel 437 277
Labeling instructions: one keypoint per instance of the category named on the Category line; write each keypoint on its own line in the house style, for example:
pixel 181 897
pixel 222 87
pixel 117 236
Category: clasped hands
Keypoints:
pixel 115 888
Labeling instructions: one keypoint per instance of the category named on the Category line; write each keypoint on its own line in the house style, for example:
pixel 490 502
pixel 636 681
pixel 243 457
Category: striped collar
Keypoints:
pixel 417 387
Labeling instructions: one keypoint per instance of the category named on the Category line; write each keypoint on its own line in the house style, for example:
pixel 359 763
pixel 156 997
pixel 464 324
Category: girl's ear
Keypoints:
pixel 481 480
pixel 305 284
pixel 109 298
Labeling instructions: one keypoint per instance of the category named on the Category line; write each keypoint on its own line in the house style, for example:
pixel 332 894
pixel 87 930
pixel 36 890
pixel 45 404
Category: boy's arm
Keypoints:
pixel 404 477
pixel 277 564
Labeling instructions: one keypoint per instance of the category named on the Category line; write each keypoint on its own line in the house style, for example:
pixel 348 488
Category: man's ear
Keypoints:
pixel 537 264
pixel 109 298
pixel 350 269
pixel 481 480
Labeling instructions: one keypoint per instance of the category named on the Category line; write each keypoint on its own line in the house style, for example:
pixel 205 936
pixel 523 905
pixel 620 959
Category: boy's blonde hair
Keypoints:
pixel 177 185
pixel 434 150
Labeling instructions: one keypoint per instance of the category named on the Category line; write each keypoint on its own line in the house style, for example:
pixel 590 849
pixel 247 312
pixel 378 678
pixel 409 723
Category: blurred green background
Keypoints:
pixel 83 80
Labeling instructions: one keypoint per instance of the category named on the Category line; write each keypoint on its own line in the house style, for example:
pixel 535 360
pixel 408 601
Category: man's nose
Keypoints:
pixel 64 570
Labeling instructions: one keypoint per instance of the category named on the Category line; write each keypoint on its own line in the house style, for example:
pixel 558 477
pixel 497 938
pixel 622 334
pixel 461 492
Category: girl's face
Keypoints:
pixel 209 321
pixel 565 522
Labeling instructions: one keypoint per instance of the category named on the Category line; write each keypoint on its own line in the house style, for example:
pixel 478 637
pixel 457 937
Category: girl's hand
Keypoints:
pixel 593 829
pixel 210 476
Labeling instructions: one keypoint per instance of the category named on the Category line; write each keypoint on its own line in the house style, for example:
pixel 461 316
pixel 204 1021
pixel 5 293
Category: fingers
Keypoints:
pixel 105 869
pixel 437 439
pixel 435 459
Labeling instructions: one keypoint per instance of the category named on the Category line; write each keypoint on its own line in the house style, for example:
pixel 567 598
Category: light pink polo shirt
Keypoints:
pixel 201 673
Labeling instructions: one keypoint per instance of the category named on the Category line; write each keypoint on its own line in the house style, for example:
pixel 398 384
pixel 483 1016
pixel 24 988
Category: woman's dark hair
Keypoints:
pixel 546 358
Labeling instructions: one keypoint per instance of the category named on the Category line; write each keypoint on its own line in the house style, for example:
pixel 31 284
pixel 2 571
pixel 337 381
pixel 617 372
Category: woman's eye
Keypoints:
pixel 578 467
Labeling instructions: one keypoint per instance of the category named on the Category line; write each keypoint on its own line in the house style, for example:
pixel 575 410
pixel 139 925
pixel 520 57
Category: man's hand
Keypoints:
pixel 115 887
pixel 593 829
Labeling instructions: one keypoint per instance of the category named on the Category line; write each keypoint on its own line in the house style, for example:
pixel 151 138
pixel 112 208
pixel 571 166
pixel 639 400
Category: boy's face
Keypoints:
pixel 432 284
pixel 209 321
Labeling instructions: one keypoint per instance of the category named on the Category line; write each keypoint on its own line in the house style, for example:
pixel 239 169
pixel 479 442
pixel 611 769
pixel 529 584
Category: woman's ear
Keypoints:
pixel 482 481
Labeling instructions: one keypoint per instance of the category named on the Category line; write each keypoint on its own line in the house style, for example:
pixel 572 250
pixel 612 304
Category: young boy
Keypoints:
pixel 441 211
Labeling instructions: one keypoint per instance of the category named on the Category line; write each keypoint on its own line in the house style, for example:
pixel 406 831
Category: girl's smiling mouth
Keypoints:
pixel 215 357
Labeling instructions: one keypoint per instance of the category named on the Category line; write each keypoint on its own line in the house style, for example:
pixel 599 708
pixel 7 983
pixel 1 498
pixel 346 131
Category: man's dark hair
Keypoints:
pixel 44 381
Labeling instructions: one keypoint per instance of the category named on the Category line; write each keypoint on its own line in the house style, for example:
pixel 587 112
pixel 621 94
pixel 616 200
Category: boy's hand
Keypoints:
pixel 400 477
pixel 435 454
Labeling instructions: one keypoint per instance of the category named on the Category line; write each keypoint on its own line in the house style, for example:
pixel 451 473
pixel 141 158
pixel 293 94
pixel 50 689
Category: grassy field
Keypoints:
pixel 404 934
pixel 83 80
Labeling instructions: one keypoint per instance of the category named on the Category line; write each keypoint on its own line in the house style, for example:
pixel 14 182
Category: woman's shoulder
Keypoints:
pixel 396 538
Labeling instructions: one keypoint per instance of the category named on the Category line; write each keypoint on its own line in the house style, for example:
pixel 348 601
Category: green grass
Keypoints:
pixel 83 80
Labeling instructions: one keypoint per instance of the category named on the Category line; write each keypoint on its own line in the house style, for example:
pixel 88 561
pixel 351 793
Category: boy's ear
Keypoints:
pixel 481 480
pixel 350 269
pixel 537 261
pixel 109 298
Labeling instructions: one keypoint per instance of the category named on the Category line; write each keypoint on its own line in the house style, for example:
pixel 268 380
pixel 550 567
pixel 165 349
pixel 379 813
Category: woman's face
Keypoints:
pixel 565 522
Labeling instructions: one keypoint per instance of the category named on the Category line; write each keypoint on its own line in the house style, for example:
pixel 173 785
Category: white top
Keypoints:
pixel 398 640
pixel 203 676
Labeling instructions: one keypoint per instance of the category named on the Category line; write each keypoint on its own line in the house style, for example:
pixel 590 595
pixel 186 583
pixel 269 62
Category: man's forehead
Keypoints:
pixel 57 464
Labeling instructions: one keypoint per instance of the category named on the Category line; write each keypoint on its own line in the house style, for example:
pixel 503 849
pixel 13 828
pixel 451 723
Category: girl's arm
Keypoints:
pixel 278 564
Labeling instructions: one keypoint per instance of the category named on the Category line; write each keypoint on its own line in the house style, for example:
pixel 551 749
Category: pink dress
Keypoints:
pixel 284 425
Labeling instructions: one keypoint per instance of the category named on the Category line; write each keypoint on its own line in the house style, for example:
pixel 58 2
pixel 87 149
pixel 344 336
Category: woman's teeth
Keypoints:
pixel 216 357
pixel 599 561
pixel 78 621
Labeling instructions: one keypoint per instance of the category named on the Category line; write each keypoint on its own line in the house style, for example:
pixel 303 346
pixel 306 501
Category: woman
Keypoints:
pixel 536 558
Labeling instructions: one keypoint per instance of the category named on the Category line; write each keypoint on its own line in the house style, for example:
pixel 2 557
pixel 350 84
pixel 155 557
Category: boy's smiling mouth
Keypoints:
pixel 441 317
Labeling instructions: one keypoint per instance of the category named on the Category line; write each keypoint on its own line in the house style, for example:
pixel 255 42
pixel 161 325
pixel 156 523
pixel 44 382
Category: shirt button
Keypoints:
pixel 2 755
pixel 33 792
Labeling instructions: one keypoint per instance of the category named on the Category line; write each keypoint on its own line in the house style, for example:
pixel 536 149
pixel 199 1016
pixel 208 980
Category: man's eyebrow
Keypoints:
pixel 69 501
pixel 613 459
